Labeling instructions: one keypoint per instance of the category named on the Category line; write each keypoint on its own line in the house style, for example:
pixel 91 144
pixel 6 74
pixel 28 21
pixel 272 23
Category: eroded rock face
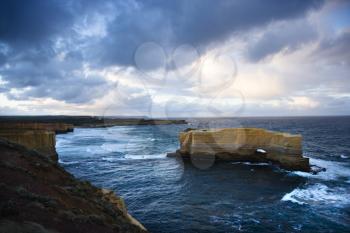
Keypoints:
pixel 36 136
pixel 42 141
pixel 245 144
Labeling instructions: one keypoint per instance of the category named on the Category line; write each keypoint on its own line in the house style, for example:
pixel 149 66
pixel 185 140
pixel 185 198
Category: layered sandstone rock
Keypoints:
pixel 245 144
pixel 36 136
pixel 42 141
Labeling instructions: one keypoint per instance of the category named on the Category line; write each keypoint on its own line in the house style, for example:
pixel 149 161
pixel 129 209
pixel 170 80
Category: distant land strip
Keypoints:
pixel 91 121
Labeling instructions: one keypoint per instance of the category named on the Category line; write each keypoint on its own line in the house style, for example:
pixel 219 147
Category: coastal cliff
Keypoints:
pixel 37 195
pixel 245 145
pixel 36 136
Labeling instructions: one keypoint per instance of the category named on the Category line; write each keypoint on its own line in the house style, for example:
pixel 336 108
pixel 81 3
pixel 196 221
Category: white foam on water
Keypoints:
pixel 94 150
pixel 60 142
pixel 318 194
pixel 334 170
pixel 111 159
pixel 152 156
pixel 113 147
pixel 67 163
pixel 344 157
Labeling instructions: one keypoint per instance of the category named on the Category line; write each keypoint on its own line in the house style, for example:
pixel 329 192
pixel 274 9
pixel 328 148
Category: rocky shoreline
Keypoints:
pixel 37 195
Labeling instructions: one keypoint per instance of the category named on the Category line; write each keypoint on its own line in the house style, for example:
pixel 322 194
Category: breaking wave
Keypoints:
pixel 319 194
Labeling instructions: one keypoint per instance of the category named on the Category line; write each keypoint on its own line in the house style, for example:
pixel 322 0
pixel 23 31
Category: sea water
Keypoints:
pixel 176 195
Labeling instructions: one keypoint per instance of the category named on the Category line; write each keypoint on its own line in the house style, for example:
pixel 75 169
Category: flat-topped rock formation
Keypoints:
pixel 244 145
pixel 37 195
pixel 36 136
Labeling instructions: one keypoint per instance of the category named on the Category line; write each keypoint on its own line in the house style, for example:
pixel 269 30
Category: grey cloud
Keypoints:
pixel 287 36
pixel 336 50
pixel 68 89
pixel 198 23
pixel 61 80
pixel 34 33
pixel 73 90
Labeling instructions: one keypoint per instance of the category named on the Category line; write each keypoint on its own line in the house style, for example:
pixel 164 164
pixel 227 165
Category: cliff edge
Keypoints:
pixel 37 195
pixel 244 145
pixel 37 136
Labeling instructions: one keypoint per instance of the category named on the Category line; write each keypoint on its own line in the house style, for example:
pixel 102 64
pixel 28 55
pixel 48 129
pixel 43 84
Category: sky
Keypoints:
pixel 197 58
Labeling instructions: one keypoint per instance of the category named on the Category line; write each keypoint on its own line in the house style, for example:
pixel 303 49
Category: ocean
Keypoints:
pixel 176 195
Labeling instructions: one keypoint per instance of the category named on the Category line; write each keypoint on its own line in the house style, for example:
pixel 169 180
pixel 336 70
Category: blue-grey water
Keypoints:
pixel 172 195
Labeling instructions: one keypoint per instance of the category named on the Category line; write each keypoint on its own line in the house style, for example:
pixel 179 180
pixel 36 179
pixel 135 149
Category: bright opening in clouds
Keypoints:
pixel 175 58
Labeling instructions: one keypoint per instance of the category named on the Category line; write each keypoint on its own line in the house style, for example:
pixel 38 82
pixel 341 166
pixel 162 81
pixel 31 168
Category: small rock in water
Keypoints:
pixel 316 169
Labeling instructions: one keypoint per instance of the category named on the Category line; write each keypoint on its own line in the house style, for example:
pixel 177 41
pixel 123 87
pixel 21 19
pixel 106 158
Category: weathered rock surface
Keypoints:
pixel 37 195
pixel 36 136
pixel 246 145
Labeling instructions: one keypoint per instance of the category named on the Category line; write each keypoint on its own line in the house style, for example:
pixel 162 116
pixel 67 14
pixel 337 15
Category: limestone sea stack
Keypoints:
pixel 244 145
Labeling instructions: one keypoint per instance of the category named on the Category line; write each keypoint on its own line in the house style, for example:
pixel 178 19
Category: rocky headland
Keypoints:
pixel 37 195
pixel 244 145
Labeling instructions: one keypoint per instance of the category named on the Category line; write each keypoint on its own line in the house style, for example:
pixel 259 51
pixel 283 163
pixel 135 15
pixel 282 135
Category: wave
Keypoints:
pixel 68 163
pixel 112 159
pixel 335 170
pixel 318 194
pixel 133 157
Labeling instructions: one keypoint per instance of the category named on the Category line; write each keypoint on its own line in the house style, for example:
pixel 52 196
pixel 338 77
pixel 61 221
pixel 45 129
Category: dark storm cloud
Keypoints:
pixel 34 34
pixel 29 33
pixel 197 22
pixel 32 22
